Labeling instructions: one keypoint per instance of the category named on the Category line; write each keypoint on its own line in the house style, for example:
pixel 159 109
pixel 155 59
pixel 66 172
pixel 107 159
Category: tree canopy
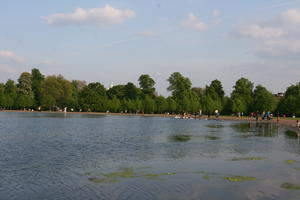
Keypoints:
pixel 34 90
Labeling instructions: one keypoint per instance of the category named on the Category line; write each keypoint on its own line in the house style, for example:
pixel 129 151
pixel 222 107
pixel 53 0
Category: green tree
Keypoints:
pixel 36 82
pixel 213 97
pixel 172 105
pixel 161 104
pixel 117 91
pixel 114 105
pixel 93 98
pixel 1 96
pixel 57 90
pixel 77 87
pixel 242 96
pixel 263 100
pixel 24 91
pixel 290 104
pixel 180 87
pixel 131 91
pixel 10 94
pixel 148 104
pixel 147 84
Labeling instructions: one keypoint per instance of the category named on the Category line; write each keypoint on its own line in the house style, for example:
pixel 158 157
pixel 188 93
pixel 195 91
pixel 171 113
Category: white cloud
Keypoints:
pixel 277 38
pixel 193 22
pixel 291 16
pixel 277 48
pixel 101 17
pixel 258 31
pixel 10 56
pixel 147 34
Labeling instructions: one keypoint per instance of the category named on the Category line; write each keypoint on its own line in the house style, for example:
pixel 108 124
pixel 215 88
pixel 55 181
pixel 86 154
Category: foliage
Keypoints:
pixel 242 96
pixel 263 100
pixel 55 92
pixel 36 81
pixel 147 84
pixel 290 104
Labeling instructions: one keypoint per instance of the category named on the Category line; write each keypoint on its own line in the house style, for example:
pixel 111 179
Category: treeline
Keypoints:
pixel 35 91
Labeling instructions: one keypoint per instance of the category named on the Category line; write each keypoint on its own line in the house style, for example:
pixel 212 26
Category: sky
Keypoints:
pixel 116 41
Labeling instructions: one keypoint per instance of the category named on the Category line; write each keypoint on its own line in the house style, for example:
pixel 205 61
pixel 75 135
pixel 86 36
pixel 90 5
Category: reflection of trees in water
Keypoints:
pixel 255 129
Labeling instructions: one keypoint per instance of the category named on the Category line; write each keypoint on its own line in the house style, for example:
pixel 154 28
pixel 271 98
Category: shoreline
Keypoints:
pixel 292 123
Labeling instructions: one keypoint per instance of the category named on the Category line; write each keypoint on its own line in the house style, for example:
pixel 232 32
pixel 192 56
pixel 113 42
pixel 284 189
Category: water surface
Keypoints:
pixel 73 156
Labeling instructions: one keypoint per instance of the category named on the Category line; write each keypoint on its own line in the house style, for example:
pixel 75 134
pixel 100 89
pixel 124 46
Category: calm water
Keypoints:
pixel 53 156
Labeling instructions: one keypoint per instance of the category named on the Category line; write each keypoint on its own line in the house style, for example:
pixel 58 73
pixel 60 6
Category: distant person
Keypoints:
pixel 263 115
pixel 217 113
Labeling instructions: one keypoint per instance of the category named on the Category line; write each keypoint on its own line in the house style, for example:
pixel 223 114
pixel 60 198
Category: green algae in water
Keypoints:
pixel 206 177
pixel 212 137
pixel 290 161
pixel 249 158
pixel 290 186
pixel 240 178
pixel 126 173
pixel 297 169
pixel 103 180
pixel 180 138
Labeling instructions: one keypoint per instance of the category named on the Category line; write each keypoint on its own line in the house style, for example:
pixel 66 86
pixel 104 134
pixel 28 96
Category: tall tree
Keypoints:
pixel 263 100
pixel 180 87
pixel 131 91
pixel 56 91
pixel 36 82
pixel 213 97
pixel 147 84
pixel 93 98
pixel 10 94
pixel 24 91
pixel 242 96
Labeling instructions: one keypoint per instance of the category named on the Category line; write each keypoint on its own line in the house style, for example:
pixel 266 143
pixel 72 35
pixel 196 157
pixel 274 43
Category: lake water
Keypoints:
pixel 57 156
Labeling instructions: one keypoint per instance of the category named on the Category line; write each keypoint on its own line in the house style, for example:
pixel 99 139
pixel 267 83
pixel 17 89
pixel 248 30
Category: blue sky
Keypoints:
pixel 116 41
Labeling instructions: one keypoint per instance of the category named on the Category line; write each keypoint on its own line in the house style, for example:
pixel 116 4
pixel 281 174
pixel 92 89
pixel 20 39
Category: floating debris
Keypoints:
pixel 290 186
pixel 290 161
pixel 240 178
pixel 249 158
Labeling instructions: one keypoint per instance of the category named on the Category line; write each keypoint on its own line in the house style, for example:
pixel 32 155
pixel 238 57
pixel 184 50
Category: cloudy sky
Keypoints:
pixel 117 40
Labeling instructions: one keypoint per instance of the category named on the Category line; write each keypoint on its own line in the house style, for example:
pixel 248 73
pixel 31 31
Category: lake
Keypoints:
pixel 80 156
